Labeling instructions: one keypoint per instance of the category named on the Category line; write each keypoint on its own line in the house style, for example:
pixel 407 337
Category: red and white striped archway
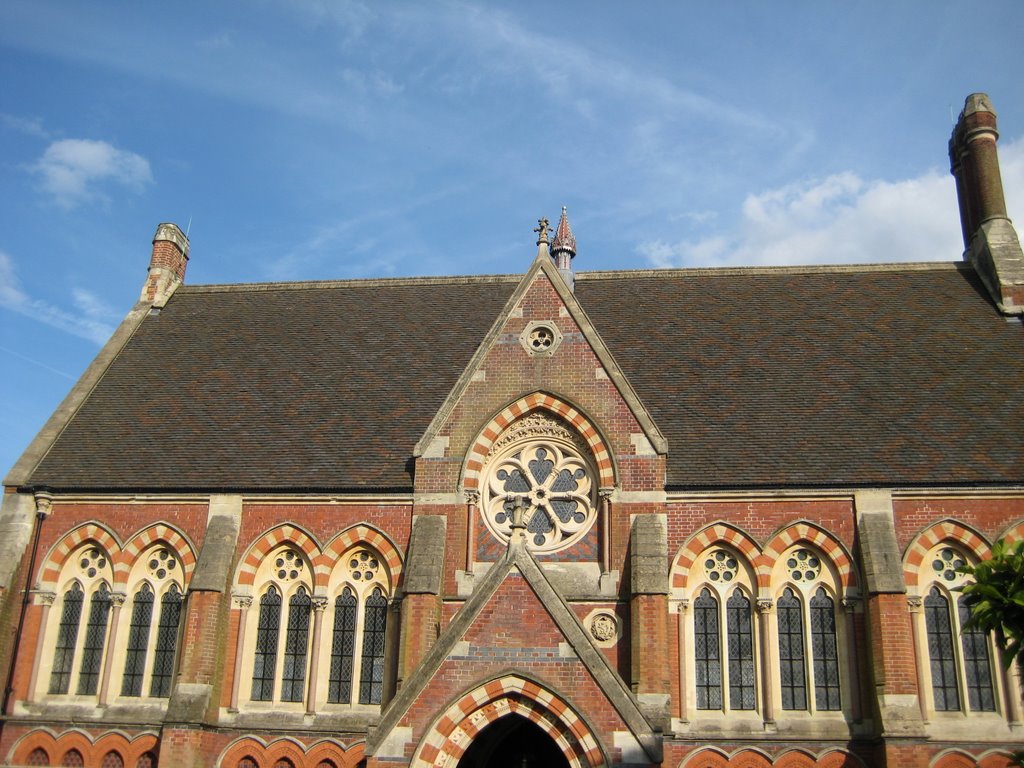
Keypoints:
pixel 451 734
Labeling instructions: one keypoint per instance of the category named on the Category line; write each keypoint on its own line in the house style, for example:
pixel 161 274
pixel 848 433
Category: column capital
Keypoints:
pixel 915 603
pixel 764 604
pixel 319 603
pixel 241 601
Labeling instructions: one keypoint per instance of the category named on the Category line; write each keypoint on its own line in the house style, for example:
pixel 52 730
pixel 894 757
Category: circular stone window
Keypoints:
pixel 551 480
pixel 540 338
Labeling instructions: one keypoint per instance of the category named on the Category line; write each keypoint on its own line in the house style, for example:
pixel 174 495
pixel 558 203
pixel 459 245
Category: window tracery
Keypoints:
pixel 960 671
pixel 542 464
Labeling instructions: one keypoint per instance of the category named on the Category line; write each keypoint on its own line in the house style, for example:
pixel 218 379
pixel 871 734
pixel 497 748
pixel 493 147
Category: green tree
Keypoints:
pixel 995 598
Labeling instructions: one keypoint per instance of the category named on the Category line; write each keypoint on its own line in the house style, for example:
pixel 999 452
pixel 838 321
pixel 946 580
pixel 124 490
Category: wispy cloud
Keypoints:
pixel 840 219
pixel 30 126
pixel 94 320
pixel 75 171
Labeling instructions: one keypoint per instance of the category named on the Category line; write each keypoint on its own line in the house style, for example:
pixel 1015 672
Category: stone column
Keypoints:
pixel 45 601
pixel 915 605
pixel 605 495
pixel 472 510
pixel 242 603
pixel 682 615
pixel 319 604
pixel 116 601
pixel 764 612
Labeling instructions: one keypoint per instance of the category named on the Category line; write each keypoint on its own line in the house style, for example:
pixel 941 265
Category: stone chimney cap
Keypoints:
pixel 977 102
pixel 172 233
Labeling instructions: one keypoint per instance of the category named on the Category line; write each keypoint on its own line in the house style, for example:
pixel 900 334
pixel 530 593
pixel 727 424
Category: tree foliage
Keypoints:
pixel 996 598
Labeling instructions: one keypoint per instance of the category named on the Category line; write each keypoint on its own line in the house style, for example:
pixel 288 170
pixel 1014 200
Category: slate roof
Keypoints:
pixel 760 378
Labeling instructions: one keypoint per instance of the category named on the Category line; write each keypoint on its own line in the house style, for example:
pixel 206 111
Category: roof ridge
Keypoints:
pixel 371 282
pixel 908 266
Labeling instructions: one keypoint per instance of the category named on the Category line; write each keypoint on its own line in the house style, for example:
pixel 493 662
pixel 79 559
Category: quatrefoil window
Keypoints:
pixel 554 485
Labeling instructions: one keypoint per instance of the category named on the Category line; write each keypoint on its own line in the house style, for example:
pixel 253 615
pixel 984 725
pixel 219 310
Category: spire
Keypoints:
pixel 563 248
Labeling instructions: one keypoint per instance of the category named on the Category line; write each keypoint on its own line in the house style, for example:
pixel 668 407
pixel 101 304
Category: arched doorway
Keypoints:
pixel 513 742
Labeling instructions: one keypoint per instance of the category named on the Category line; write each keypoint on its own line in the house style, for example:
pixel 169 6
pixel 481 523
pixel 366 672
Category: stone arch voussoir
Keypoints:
pixel 537 401
pixel 159 532
pixel 350 537
pixel 716 533
pixel 807 533
pixel 281 534
pixel 452 733
pixel 943 531
pixel 60 552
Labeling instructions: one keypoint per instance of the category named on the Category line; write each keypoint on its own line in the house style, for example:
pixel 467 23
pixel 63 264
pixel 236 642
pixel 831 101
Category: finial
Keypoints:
pixel 542 229
pixel 565 241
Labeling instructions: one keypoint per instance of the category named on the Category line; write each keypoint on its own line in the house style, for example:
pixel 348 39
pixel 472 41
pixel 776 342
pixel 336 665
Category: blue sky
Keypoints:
pixel 323 140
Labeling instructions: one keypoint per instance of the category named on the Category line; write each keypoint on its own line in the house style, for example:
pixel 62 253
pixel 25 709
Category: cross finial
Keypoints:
pixel 542 229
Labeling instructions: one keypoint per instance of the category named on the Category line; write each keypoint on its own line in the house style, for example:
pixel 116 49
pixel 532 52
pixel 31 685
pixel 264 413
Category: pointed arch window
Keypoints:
pixel 791 651
pixel 724 603
pixel 961 670
pixel 67 639
pixel 360 628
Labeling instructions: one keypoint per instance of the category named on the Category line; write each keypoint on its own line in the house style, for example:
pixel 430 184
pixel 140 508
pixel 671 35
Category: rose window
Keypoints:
pixel 553 484
pixel 803 565
pixel 721 566
pixel 161 563
pixel 947 563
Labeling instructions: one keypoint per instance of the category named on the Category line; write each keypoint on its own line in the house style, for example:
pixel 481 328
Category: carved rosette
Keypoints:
pixel 541 462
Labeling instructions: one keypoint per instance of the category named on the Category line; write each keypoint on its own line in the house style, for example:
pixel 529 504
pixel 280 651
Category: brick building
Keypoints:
pixel 690 518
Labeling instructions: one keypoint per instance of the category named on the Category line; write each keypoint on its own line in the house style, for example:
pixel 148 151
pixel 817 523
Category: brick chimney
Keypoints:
pixel 990 241
pixel 166 265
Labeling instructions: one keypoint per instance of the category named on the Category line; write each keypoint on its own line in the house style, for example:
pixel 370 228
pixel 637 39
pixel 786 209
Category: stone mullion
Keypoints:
pixel 764 610
pixel 319 604
pixel 684 609
pixel 116 601
pixel 915 605
pixel 244 602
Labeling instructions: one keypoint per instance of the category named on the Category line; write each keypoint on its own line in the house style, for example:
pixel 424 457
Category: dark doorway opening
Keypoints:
pixel 513 742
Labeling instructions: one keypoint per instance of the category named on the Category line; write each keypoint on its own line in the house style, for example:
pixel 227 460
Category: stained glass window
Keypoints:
pixel 38 756
pixel 740 638
pixel 266 645
pixel 343 648
pixel 825 652
pixel 296 647
pixel 371 674
pixel 977 664
pixel 792 673
pixel 941 652
pixel 112 760
pixel 67 639
pixel 138 642
pixel 73 759
pixel 707 651
pixel 166 643
pixel 95 637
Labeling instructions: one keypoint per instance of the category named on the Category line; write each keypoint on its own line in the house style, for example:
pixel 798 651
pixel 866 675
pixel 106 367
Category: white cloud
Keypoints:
pixel 95 319
pixel 73 170
pixel 842 219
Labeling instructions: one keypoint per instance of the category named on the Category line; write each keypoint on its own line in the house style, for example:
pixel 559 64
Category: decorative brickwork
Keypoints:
pixel 454 730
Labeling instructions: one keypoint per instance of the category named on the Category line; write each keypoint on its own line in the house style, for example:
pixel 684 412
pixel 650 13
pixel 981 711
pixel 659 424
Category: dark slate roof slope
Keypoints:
pixel 299 386
pixel 856 376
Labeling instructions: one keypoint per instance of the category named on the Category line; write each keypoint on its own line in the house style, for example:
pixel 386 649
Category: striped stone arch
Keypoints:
pixel 1014 532
pixel 160 532
pixel 839 758
pixel 267 754
pixel 944 530
pixel 709 757
pixel 953 758
pixel 995 758
pixel 795 758
pixel 286 533
pixel 716 533
pixel 750 758
pixel 57 745
pixel 350 537
pixel 535 402
pixel 807 533
pixel 451 734
pixel 94 532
